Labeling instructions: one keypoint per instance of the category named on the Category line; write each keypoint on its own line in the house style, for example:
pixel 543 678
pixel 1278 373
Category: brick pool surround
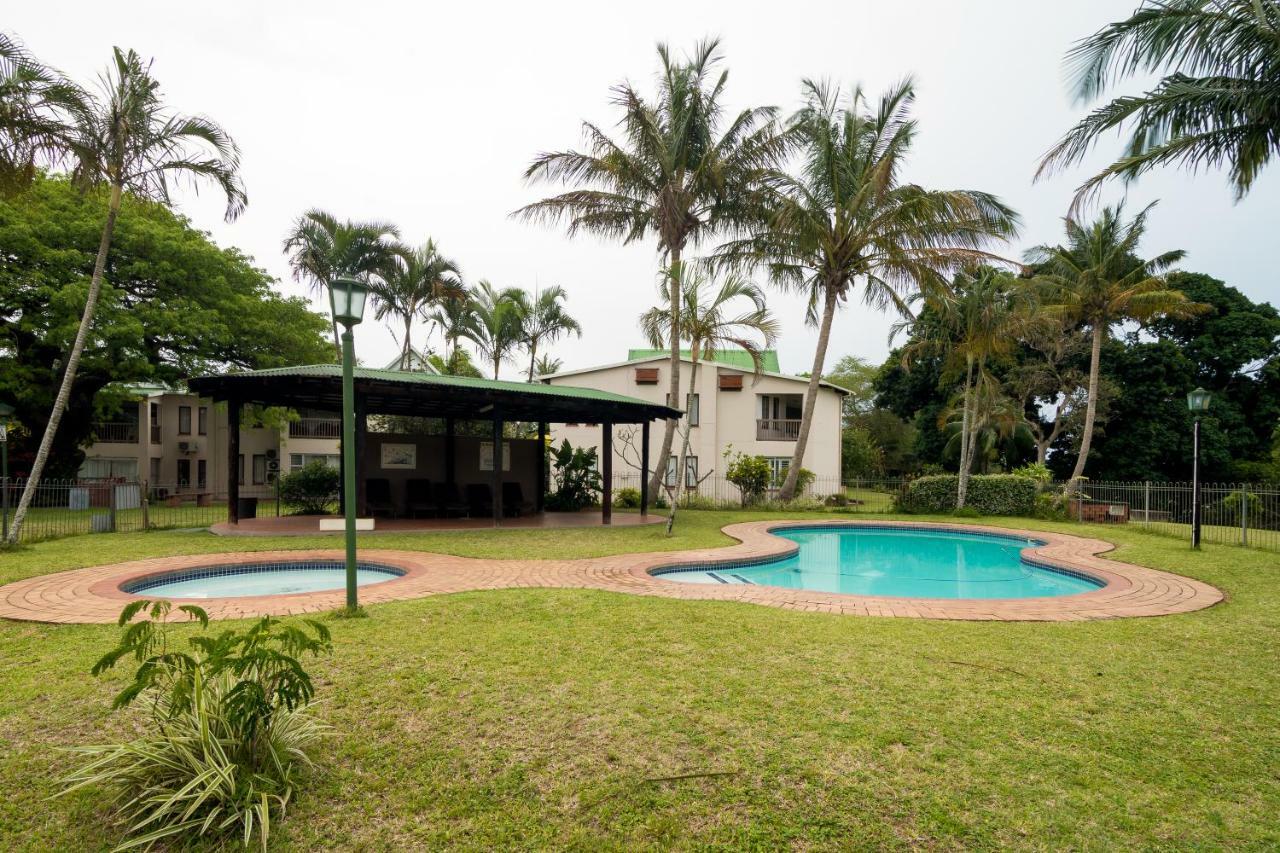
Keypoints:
pixel 93 595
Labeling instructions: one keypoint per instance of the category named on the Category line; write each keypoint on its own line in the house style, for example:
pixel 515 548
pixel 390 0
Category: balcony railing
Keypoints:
pixel 775 429
pixel 316 428
pixel 116 433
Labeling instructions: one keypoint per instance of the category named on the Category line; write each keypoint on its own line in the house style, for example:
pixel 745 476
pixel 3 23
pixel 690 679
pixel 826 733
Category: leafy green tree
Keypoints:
pixel 174 305
pixel 39 114
pixel 681 173
pixel 857 376
pixel 500 317
pixel 546 321
pixel 415 279
pixel 1218 105
pixel 1098 281
pixel 322 247
pixel 849 217
pixel 127 140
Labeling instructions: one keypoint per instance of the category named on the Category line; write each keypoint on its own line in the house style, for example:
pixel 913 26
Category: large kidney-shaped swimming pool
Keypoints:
pixel 899 562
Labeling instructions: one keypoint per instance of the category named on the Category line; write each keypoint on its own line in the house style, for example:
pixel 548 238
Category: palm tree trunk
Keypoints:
pixel 408 347
pixel 73 363
pixel 673 392
pixel 966 427
pixel 533 356
pixel 810 395
pixel 684 439
pixel 1091 406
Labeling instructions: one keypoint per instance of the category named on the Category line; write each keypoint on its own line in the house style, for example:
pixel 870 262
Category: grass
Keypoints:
pixel 591 720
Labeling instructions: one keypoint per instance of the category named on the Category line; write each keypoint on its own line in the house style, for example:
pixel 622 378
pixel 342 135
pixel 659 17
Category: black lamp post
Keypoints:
pixel 347 297
pixel 1198 403
pixel 6 412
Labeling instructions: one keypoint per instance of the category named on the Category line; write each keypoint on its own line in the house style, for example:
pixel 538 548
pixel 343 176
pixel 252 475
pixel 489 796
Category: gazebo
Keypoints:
pixel 452 399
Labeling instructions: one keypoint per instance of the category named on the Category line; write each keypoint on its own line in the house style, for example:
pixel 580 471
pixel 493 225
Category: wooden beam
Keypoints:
pixel 233 461
pixel 606 471
pixel 644 469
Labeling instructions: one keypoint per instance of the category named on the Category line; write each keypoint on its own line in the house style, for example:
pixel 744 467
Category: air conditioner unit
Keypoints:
pixel 188 447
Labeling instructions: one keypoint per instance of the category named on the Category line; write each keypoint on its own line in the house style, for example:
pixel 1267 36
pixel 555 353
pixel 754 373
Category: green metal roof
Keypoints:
pixel 729 358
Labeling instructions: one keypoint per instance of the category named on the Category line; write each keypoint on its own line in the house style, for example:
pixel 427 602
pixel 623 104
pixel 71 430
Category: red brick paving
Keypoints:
pixel 93 594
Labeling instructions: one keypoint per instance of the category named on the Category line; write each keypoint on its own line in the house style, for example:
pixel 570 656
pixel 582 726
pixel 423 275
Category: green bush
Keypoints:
pixel 1051 506
pixel 751 474
pixel 229 728
pixel 577 482
pixel 990 494
pixel 804 479
pixel 312 489
pixel 627 498
pixel 967 511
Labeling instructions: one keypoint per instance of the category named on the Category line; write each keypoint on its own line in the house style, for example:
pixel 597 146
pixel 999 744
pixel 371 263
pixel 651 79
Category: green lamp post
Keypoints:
pixel 1198 403
pixel 6 412
pixel 347 297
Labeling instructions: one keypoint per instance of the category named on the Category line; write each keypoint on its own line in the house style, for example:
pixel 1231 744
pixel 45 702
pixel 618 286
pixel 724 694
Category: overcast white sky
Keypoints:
pixel 426 114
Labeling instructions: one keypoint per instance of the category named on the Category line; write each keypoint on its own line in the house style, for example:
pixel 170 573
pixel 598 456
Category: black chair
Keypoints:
pixel 513 502
pixel 377 497
pixel 418 498
pixel 449 504
pixel 479 500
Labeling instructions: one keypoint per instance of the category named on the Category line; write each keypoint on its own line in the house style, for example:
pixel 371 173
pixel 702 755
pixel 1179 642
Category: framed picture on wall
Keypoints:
pixel 486 456
pixel 403 456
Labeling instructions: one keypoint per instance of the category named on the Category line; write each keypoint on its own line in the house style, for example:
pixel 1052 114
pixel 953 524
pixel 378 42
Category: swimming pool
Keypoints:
pixel 899 562
pixel 237 580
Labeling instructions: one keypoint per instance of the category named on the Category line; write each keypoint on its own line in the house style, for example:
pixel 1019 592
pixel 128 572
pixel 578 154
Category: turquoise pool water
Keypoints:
pixel 236 581
pixel 900 563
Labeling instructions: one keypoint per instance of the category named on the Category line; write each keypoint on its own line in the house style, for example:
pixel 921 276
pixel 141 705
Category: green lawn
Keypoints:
pixel 532 718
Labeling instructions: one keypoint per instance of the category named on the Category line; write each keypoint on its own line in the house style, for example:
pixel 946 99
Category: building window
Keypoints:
pixel 690 472
pixel 155 470
pixel 184 473
pixel 202 420
pixel 184 420
pixel 692 408
pixel 298 461
pixel 670 478
pixel 259 469
pixel 202 474
pixel 778 466
pixel 109 468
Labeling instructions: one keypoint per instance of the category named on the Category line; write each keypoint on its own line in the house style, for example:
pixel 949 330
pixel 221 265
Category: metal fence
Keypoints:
pixel 81 505
pixel 1230 513
pixel 859 495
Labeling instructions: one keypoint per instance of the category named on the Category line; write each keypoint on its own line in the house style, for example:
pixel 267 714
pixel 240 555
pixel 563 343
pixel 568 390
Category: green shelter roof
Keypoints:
pixel 729 358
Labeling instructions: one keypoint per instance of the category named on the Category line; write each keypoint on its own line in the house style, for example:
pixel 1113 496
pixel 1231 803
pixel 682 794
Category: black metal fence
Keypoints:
pixel 859 495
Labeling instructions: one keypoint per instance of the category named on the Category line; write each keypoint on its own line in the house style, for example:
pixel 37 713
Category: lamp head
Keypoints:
pixel 347 297
pixel 1198 400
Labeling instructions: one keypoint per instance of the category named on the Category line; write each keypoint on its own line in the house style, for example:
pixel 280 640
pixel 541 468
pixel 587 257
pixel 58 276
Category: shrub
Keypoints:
pixel 751 474
pixel 230 727
pixel 1037 471
pixel 312 489
pixel 575 477
pixel 967 511
pixel 993 494
pixel 1051 506
pixel 804 479
pixel 837 499
pixel 627 498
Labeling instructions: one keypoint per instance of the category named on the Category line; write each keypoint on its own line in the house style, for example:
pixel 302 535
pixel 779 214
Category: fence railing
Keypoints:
pixel 116 433
pixel 858 495
pixel 315 428
pixel 776 429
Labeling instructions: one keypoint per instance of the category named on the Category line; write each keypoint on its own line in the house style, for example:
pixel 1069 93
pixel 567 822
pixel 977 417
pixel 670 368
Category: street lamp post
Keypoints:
pixel 6 411
pixel 1198 403
pixel 346 298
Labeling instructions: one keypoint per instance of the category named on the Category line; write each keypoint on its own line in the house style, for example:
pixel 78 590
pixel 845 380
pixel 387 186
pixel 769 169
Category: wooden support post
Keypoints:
pixel 644 469
pixel 496 480
pixel 540 484
pixel 233 461
pixel 606 471
pixel 362 434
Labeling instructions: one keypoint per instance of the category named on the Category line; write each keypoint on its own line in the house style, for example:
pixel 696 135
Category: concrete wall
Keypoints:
pixel 430 451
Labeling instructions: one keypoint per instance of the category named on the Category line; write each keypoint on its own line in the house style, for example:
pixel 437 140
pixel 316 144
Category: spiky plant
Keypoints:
pixel 546 321
pixel 414 280
pixel 499 329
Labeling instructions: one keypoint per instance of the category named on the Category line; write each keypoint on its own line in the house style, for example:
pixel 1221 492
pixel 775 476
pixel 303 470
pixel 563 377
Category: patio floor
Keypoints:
pixel 309 525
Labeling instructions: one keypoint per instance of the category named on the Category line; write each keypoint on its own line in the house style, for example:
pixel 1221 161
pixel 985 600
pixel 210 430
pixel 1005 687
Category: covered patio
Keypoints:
pixel 458 479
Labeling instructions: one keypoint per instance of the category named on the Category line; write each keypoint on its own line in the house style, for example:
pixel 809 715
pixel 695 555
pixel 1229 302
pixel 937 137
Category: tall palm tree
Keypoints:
pixel 546 321
pixel 500 328
pixel 681 173
pixel 1218 105
pixel 1098 281
pixel 454 314
pixel 710 323
pixel 981 319
pixel 547 365
pixel 322 247
pixel 847 217
pixel 414 280
pixel 39 113
pixel 127 141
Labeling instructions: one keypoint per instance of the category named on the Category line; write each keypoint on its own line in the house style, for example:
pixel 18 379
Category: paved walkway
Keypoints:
pixel 93 594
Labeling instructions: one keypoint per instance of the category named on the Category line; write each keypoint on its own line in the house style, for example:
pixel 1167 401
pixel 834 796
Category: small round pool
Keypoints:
pixel 236 580
pixel 899 562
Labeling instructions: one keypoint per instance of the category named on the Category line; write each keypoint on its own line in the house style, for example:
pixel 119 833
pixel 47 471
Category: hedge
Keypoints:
pixel 990 494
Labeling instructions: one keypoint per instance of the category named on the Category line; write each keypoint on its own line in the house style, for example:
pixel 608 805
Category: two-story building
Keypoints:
pixel 731 406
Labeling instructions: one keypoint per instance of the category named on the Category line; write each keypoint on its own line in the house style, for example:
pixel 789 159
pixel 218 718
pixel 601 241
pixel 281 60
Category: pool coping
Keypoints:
pixel 93 595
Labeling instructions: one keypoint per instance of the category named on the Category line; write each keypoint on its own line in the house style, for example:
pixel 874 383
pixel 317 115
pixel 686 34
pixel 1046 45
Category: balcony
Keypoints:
pixel 316 428
pixel 115 432
pixel 775 429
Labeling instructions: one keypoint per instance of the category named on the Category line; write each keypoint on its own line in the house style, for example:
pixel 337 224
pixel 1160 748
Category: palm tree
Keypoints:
pixel 981 319
pixel 680 173
pixel 323 247
pixel 39 113
pixel 848 217
pixel 547 365
pixel 500 327
pixel 1097 281
pixel 998 428
pixel 546 321
pixel 455 316
pixel 414 280
pixel 710 323
pixel 1219 105
pixel 127 141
